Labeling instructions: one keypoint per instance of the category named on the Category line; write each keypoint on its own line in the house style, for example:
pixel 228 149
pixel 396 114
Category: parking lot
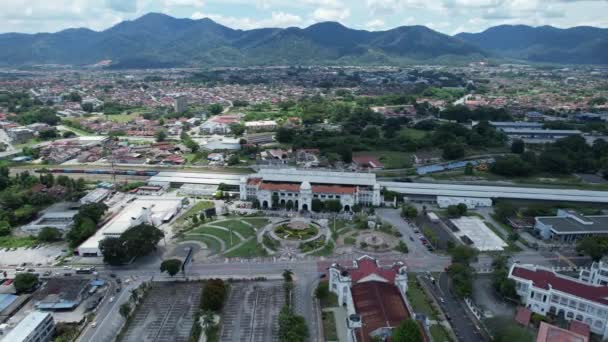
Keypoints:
pixel 166 314
pixel 251 312
pixel 42 255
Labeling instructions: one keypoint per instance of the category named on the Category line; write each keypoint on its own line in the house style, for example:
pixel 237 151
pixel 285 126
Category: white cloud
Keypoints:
pixel 375 24
pixel 127 6
pixel 277 19
pixel 183 3
pixel 331 14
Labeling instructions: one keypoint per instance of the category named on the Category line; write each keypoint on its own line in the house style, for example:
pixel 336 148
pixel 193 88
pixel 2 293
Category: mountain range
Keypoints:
pixel 158 40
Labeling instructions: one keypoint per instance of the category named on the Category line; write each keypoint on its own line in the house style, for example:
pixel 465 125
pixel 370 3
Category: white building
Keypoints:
pixel 35 327
pixel 374 297
pixel 153 210
pixel 569 226
pixel 596 275
pixel 261 126
pixel 470 202
pixel 180 104
pixel 545 292
pixel 95 196
pixel 280 187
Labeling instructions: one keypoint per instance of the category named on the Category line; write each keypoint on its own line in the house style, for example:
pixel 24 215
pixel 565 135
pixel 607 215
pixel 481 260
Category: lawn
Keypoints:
pixel 350 240
pixel 122 118
pixel 237 226
pixel 390 159
pixel 257 222
pixel 412 133
pixel 439 334
pixel 325 251
pixel 249 249
pixel 196 209
pixel 419 300
pixel 16 241
pixel 212 244
pixel 219 233
pixel 329 326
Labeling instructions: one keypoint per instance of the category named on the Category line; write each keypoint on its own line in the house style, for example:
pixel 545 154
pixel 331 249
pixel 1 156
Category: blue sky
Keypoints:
pixel 447 16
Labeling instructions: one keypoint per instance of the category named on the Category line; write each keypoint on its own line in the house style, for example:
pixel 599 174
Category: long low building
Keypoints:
pixel 153 210
pixel 362 181
pixel 177 179
pixel 432 190
pixel 569 226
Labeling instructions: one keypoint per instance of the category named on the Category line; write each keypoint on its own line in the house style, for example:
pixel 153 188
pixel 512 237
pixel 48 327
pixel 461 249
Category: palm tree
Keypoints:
pixel 288 276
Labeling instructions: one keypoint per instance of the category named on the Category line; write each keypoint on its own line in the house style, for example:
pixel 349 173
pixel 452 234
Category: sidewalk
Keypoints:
pixel 340 318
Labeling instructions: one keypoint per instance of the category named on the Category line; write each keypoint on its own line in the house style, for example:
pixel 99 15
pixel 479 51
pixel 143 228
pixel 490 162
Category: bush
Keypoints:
pixel 49 234
pixel 214 295
pixel 25 282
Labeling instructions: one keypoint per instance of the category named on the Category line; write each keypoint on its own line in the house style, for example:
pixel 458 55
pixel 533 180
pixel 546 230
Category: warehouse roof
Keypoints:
pixel 459 190
pixel 27 326
pixel 318 177
pixel 568 225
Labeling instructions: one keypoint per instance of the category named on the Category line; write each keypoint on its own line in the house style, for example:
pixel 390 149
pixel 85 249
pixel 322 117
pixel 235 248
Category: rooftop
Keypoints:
pixel 568 225
pixel 546 279
pixel 551 333
pixel 27 325
pixel 319 177
pixel 380 305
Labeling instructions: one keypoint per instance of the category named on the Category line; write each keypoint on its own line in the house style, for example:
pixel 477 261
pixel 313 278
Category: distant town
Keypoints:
pixel 304 203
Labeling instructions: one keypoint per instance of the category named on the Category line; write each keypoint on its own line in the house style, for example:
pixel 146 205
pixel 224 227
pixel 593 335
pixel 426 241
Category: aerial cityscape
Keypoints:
pixel 186 170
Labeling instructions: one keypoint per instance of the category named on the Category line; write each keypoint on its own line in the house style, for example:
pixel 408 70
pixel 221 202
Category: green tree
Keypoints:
pixel 594 247
pixel 234 159
pixel 215 108
pixel 409 211
pixel 214 295
pixel 114 251
pixel 453 211
pixel 518 146
pixel 504 210
pixel 462 209
pixel 317 205
pixel 141 240
pixel 333 206
pixel 237 129
pixel 49 234
pixel 25 282
pixel 407 331
pixel 171 266
pixel 453 151
pixel 125 310
pixel 346 153
pixel 322 291
pixel 5 228
pixel 292 328
pixel 463 254
pixel 468 169
pixel 87 107
pixel 160 135
pixel 288 276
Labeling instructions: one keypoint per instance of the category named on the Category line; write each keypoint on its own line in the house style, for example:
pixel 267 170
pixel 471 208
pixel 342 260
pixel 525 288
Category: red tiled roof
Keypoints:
pixel 379 305
pixel 580 328
pixel 254 181
pixel 551 333
pixel 368 161
pixel 368 266
pixel 523 316
pixel 280 187
pixel 545 279
pixel 333 189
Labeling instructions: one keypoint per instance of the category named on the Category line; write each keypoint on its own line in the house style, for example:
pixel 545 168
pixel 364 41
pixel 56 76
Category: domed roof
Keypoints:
pixel 305 186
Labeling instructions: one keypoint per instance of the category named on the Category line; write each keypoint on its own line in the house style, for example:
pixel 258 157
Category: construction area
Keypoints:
pixel 251 312
pixel 166 313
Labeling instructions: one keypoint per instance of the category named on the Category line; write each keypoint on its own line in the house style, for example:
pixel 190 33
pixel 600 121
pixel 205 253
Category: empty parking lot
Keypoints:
pixel 166 313
pixel 251 312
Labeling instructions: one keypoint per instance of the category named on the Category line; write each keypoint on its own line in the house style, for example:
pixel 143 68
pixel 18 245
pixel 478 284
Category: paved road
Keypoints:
pixel 464 326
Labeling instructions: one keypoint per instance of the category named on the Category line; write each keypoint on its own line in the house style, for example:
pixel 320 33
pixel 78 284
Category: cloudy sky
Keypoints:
pixel 448 16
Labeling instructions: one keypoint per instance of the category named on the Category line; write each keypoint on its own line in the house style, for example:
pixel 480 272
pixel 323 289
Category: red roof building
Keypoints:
pixel 368 162
pixel 548 293
pixel 551 333
pixel 374 297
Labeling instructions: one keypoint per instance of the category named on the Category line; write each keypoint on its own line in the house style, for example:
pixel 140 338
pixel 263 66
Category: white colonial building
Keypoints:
pixel 545 292
pixel 374 297
pixel 298 188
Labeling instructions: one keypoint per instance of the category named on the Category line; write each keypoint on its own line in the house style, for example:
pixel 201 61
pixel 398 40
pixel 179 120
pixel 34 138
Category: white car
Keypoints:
pixel 111 299
pixel 93 325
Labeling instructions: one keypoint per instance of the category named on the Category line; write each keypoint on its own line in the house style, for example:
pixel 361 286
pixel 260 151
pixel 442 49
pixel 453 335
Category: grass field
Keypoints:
pixel 219 233
pixel 329 326
pixel 325 251
pixel 390 159
pixel 249 249
pixel 196 209
pixel 411 133
pixel 16 242
pixel 419 301
pixel 257 222
pixel 212 244
pixel 123 118
pixel 238 227
pixel 439 334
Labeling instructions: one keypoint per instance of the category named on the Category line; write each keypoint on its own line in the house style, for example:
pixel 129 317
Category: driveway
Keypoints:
pixel 393 216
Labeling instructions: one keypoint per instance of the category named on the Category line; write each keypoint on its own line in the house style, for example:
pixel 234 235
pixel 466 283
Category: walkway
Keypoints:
pixel 340 318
